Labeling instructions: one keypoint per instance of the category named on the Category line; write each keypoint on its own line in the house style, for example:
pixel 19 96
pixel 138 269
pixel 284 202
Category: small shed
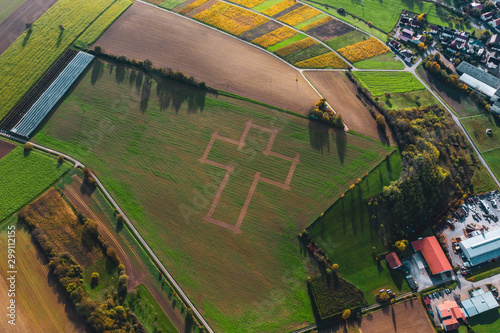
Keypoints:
pixel 393 260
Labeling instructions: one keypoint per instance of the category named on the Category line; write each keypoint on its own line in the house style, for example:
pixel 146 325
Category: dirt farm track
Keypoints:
pixel 14 25
pixel 146 32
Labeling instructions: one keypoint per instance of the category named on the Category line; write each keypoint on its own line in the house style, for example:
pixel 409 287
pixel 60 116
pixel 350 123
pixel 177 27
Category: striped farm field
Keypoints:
pixel 297 46
pixel 328 60
pixel 286 42
pixel 229 18
pixel 315 23
pixel 169 4
pixel 265 5
pixel 259 31
pixel 100 25
pixel 363 50
pixel 349 38
pixel 379 83
pixel 299 15
pixel 248 3
pixel 31 55
pixel 162 140
pixel 191 6
pixel 279 7
pixel 275 36
pixel 310 52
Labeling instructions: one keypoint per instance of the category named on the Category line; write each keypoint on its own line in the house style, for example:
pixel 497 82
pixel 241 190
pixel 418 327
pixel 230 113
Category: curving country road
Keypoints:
pixel 136 233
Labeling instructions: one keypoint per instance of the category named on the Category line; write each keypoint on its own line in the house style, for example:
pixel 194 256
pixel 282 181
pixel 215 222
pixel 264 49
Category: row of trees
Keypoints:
pixel 323 113
pixel 110 315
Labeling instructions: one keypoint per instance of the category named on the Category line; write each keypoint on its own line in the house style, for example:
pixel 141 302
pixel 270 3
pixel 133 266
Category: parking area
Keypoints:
pixel 416 266
pixel 476 215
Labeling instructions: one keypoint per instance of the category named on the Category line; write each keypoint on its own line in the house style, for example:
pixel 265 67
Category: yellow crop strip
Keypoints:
pixel 299 15
pixel 230 18
pixel 323 61
pixel 363 50
pixel 316 23
pixel 297 46
pixel 32 54
pixel 192 6
pixel 275 36
pixel 273 10
pixel 102 23
pixel 248 3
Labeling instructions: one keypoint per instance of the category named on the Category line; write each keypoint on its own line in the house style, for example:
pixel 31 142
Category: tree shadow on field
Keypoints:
pixel 97 71
pixel 27 37
pixel 146 92
pixel 174 94
pixel 189 324
pixel 138 80
pixel 341 140
pixel 319 137
pixel 120 73
pixel 132 77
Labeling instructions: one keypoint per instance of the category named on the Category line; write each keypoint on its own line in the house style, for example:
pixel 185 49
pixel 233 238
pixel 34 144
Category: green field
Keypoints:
pixel 7 7
pixel 483 323
pixel 409 99
pixel 379 83
pixel 32 54
pixel 286 42
pixel 265 5
pixel 102 23
pixel 170 4
pixel 476 127
pixel 492 157
pixel 349 38
pixel 25 176
pixel 155 174
pixel 151 315
pixel 347 235
pixel 310 52
pixel 311 20
pixel 384 15
pixel 383 61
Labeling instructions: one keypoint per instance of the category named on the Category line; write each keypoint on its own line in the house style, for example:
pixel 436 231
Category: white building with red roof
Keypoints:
pixel 433 255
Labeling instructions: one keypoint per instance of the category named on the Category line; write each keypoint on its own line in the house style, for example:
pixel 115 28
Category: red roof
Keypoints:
pixel 433 254
pixel 393 260
pixel 451 324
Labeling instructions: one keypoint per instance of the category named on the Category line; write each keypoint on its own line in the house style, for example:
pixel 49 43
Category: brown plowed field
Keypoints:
pixel 340 93
pixel 223 62
pixel 330 30
pixel 406 317
pixel 5 148
pixel 15 24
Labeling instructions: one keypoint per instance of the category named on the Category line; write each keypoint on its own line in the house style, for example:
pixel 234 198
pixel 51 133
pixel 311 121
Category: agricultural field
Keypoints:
pixel 379 83
pixel 38 304
pixel 275 36
pixel 405 317
pixel 7 7
pixel 383 61
pixel 176 142
pixel 45 42
pixel 363 50
pixel 24 176
pixel 253 74
pixel 346 234
pixel 411 99
pixel 461 104
pixel 385 15
pixel 492 157
pixel 476 127
pixel 327 60
pixel 97 28
pixel 343 99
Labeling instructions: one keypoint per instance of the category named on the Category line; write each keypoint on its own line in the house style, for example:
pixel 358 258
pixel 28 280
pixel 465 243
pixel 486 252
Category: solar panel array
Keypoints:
pixel 35 115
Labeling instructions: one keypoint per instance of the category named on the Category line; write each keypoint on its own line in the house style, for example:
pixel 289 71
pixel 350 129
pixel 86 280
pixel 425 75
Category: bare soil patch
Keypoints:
pixel 406 317
pixel 15 24
pixel 288 10
pixel 341 94
pixel 5 148
pixel 147 32
pixel 330 30
pixel 259 31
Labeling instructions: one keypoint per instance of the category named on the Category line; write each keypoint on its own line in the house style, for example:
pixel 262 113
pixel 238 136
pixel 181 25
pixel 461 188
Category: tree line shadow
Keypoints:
pixel 321 135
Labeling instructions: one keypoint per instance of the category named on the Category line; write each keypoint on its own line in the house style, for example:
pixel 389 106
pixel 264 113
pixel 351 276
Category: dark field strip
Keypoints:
pixel 288 10
pixel 310 52
pixel 13 117
pixel 259 31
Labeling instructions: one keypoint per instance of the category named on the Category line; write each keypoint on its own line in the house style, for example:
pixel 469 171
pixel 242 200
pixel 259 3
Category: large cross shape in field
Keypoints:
pixel 236 228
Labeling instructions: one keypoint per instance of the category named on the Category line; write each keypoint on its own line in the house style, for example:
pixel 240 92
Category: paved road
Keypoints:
pixel 153 256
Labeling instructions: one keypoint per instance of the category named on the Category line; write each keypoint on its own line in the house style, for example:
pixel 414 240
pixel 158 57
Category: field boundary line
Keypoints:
pixel 132 228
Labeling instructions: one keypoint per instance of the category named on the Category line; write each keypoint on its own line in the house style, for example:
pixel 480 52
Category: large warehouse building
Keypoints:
pixel 482 248
pixel 479 80
pixel 433 254
pixel 480 302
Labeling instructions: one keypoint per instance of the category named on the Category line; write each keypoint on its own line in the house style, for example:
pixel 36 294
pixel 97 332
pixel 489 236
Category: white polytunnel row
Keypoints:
pixel 35 115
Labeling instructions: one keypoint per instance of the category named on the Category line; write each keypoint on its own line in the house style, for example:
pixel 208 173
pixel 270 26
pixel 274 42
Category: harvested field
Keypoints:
pixel 330 30
pixel 350 38
pixel 209 56
pixel 340 93
pixel 39 307
pixel 13 25
pixel 5 148
pixel 260 31
pixel 163 139
pixel 405 317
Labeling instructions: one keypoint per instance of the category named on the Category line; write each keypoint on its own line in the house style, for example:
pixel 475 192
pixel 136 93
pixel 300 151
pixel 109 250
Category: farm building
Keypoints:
pixel 433 255
pixel 449 313
pixel 479 80
pixel 480 302
pixel 393 260
pixel 482 248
